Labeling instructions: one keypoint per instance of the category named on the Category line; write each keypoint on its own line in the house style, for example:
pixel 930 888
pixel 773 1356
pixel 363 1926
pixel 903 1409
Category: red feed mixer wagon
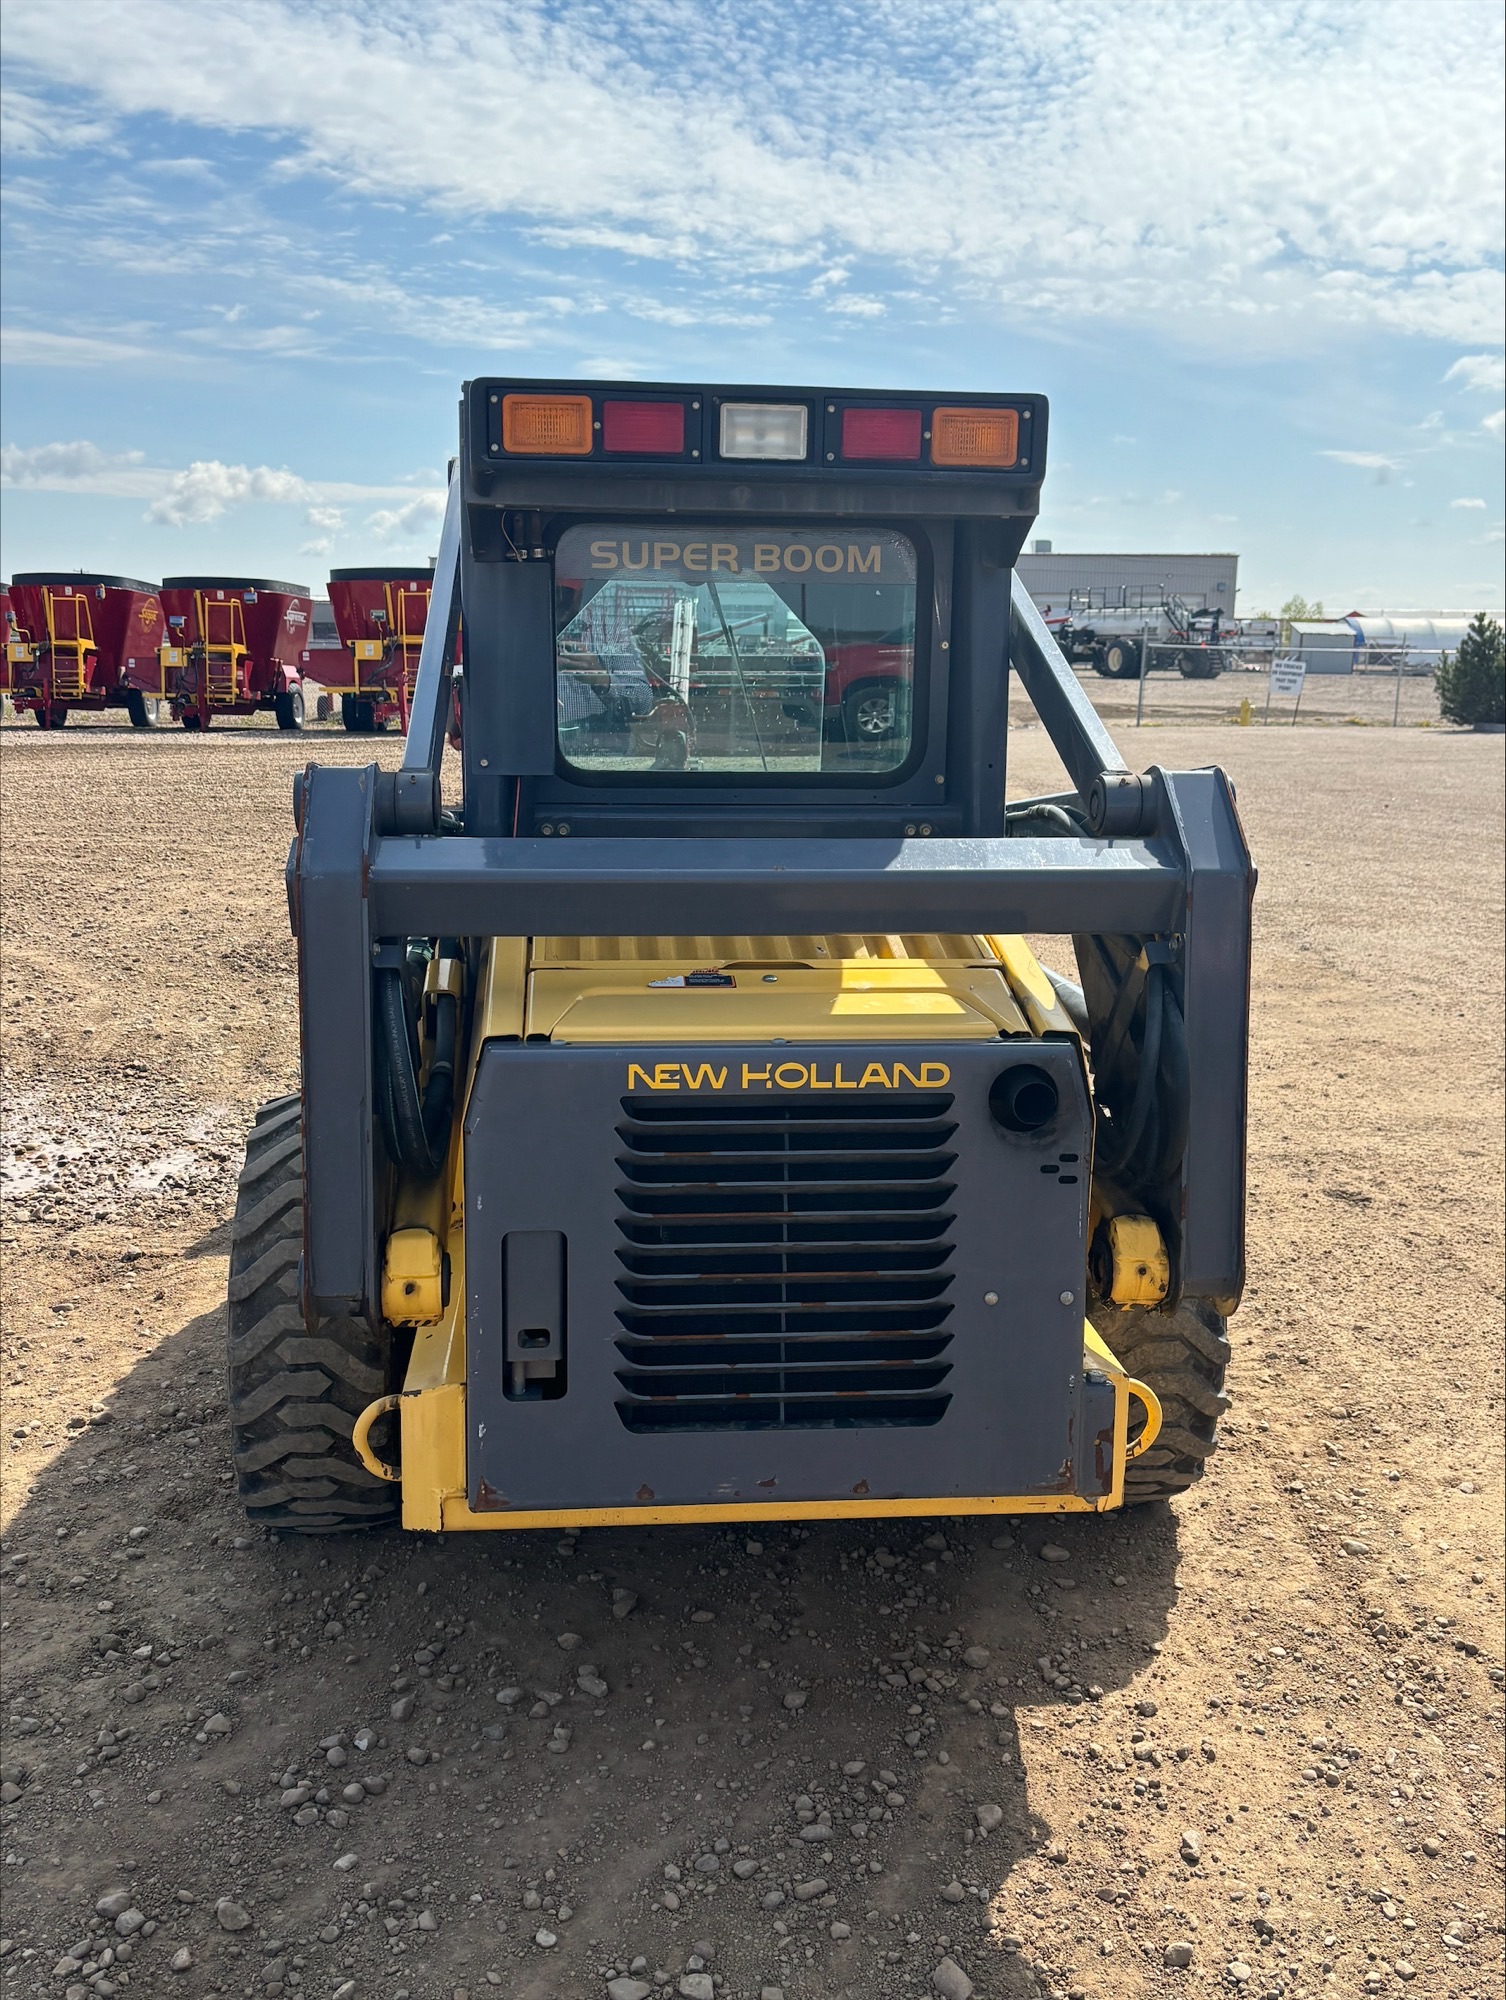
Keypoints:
pixel 234 645
pixel 77 640
pixel 380 615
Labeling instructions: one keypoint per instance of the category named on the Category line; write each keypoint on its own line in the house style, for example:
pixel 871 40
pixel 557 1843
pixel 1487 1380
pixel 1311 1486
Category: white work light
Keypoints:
pixel 764 430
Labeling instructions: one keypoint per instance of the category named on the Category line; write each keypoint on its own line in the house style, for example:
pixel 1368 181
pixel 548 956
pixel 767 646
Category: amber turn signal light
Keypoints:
pixel 975 437
pixel 548 426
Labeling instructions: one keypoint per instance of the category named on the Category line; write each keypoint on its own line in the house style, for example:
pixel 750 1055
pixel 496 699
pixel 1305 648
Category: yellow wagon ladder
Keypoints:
pixel 410 637
pixel 70 637
pixel 222 631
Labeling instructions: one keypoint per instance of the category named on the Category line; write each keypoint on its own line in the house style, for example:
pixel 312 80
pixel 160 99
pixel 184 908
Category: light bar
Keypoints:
pixel 975 437
pixel 547 426
pixel 764 430
pixel 643 427
pixel 881 434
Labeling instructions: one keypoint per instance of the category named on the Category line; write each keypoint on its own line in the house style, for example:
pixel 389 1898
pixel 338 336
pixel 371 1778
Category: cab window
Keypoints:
pixel 769 650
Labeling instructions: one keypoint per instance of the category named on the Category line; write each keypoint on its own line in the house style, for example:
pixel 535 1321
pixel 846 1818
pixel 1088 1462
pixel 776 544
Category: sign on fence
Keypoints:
pixel 1287 676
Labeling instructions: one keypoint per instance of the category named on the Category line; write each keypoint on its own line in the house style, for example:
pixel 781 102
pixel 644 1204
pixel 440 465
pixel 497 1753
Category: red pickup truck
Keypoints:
pixel 868 689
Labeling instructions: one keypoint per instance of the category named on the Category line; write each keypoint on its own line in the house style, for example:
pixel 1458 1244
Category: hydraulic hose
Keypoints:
pixel 1119 1141
pixel 417 1123
pixel 1073 1004
pixel 1174 1095
pixel 1044 810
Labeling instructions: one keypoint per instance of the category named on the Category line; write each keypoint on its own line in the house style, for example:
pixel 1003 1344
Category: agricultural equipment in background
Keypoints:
pixel 686 1131
pixel 380 616
pixel 1114 641
pixel 322 661
pixel 233 645
pixel 77 641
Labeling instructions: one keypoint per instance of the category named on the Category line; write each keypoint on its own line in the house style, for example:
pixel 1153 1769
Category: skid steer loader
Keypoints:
pixel 686 1131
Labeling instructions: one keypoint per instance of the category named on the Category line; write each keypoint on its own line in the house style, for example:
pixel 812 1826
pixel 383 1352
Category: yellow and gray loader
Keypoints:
pixel 687 1130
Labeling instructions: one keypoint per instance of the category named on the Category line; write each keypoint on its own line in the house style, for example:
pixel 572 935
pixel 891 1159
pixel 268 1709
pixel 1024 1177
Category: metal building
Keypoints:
pixel 1127 582
pixel 1359 642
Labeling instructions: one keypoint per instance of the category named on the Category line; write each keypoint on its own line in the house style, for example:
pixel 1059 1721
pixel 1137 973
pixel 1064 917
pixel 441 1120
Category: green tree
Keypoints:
pixel 1298 607
pixel 1472 682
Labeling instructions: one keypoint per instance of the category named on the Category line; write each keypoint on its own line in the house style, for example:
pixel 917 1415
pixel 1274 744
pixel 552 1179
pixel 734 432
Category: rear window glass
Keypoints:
pixel 684 648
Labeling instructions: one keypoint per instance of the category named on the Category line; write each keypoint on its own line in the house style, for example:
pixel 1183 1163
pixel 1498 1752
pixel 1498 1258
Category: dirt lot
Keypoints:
pixel 1260 1732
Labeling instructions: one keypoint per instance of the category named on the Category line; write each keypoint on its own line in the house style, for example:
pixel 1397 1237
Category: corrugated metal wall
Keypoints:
pixel 1206 582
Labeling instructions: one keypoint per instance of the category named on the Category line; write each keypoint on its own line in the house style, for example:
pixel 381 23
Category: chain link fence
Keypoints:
pixel 1234 684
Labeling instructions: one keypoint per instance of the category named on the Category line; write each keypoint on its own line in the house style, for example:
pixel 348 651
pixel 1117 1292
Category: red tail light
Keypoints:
pixel 643 427
pixel 881 434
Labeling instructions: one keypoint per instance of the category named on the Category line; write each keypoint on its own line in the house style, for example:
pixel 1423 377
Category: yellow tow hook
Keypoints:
pixel 360 1438
pixel 1152 1429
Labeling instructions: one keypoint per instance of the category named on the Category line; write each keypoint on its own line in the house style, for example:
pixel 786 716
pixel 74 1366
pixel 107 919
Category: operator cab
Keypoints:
pixel 758 612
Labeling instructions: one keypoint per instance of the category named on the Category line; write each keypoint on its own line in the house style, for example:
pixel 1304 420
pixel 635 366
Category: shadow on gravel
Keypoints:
pixel 213 1243
pixel 818 1750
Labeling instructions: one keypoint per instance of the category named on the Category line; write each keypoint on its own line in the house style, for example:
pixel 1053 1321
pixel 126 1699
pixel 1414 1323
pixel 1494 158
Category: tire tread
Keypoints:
pixel 295 1391
pixel 1184 1357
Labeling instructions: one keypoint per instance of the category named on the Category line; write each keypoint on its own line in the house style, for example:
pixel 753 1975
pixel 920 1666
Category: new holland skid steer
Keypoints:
pixel 686 1131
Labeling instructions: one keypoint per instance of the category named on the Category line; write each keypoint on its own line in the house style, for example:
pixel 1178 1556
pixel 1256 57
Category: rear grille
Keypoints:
pixel 785 1264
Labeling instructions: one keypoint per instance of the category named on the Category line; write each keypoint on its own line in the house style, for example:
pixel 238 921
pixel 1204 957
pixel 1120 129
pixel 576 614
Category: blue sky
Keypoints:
pixel 1251 249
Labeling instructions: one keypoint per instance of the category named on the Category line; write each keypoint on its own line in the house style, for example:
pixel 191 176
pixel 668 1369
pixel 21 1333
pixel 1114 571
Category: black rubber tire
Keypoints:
pixel 192 719
pixel 1183 1356
pixel 294 1394
pixel 871 714
pixel 1120 660
pixel 140 715
pixel 288 709
pixel 1201 665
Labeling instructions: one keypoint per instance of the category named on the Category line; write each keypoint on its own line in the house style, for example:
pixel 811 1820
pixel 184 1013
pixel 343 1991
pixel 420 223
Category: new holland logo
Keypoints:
pixel 788 1076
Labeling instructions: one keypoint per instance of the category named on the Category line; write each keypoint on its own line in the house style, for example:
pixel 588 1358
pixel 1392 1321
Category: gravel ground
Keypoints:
pixel 1251 1743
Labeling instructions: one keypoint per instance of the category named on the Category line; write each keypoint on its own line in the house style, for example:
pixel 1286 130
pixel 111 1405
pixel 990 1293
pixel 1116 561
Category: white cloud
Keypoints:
pixel 1368 461
pixel 53 465
pixel 284 341
pixel 207 487
pixel 406 523
pixel 1486 372
pixel 31 128
pixel 1467 503
pixel 35 347
pixel 190 495
pixel 1495 423
pixel 608 368
pixel 189 166
pixel 1022 155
